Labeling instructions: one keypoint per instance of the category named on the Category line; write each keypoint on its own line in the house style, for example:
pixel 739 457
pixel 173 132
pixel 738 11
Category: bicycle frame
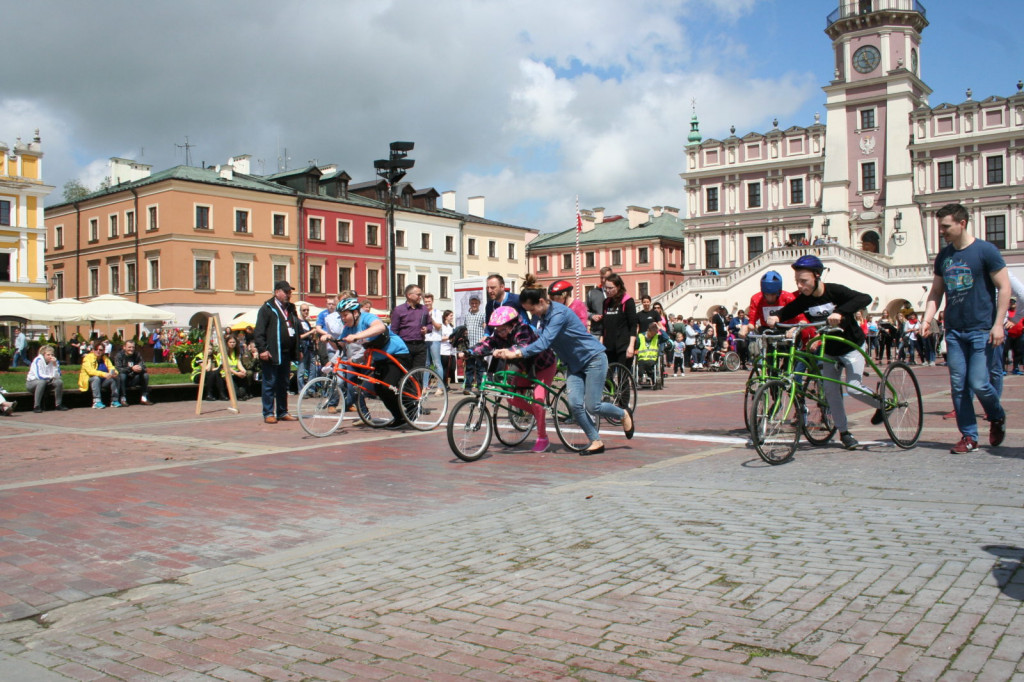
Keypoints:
pixel 352 372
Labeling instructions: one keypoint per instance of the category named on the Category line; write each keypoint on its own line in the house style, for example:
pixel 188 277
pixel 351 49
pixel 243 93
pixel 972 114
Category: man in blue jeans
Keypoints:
pixel 968 272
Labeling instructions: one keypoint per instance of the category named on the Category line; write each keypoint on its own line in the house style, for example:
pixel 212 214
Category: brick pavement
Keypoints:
pixel 664 559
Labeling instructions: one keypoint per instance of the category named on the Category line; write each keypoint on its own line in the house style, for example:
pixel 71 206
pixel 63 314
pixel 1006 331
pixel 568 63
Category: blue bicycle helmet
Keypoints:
pixel 809 262
pixel 771 283
pixel 348 304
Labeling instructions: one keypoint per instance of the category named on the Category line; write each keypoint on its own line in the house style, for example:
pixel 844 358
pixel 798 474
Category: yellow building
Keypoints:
pixel 22 230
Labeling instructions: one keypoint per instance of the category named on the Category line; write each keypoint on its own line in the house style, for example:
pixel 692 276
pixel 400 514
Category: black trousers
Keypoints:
pixel 389 372
pixel 417 354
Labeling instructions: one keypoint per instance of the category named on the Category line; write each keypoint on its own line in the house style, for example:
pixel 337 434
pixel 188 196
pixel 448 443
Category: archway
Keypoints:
pixel 198 321
pixel 869 242
pixel 897 305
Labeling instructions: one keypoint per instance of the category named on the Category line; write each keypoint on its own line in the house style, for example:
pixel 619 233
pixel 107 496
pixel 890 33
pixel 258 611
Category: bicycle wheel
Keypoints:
pixel 753 382
pixel 469 429
pixel 817 424
pixel 558 381
pixel 620 388
pixel 569 432
pixel 512 425
pixel 371 409
pixel 316 401
pixel 776 422
pixel 424 398
pixel 731 361
pixel 901 397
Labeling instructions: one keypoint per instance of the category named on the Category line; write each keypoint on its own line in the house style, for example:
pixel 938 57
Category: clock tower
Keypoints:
pixel 867 191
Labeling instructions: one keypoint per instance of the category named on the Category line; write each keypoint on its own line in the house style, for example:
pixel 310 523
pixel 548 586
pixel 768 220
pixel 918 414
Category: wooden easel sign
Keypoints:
pixel 213 327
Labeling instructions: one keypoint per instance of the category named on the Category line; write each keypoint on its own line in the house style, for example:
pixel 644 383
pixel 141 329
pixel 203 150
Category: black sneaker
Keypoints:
pixel 396 425
pixel 849 442
pixel 877 418
pixel 997 432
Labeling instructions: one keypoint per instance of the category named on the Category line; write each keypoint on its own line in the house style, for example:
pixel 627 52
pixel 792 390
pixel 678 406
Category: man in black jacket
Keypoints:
pixel 131 371
pixel 276 337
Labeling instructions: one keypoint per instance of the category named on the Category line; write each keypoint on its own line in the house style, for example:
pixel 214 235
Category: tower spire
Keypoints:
pixel 694 136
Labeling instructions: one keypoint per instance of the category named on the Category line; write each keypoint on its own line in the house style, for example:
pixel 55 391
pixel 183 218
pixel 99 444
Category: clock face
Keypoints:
pixel 866 59
pixel 913 61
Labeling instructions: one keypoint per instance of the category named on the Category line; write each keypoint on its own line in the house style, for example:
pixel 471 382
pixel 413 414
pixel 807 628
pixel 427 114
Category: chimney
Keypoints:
pixel 588 220
pixel 240 163
pixel 126 170
pixel 656 211
pixel 598 214
pixel 672 211
pixel 448 200
pixel 637 216
pixel 476 206
pixel 226 172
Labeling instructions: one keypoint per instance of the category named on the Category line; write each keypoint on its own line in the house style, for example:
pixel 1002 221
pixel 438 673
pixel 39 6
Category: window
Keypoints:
pixel 511 251
pixel 154 273
pixel 344 278
pixel 471 246
pixel 5 213
pixel 492 249
pixel 400 282
pixel 945 175
pixel 94 229
pixel 373 282
pixel 796 191
pixel 241 222
pixel 344 232
pixel 129 222
pixel 202 217
pixel 567 261
pixel 94 281
pixel 711 253
pixel 542 263
pixel 399 237
pixel 115 279
pixel 616 257
pixel 242 277
pixel 203 268
pixel 711 195
pixel 868 182
pixel 643 255
pixel 995 230
pixel 280 228
pixel 58 285
pixel 152 215
pixel 643 289
pixel 58 237
pixel 316 229
pixel 589 258
pixel 867 119
pixel 280 272
pixel 316 278
pixel 425 241
pixel 372 235
pixel 130 278
pixel 754 195
pixel 421 282
pixel 443 289
pixel 994 168
pixel 449 244
pixel 113 231
pixel 755 247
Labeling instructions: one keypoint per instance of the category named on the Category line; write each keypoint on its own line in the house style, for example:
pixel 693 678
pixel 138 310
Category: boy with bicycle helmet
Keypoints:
pixel 836 304
pixel 510 331
pixel 561 292
pixel 770 299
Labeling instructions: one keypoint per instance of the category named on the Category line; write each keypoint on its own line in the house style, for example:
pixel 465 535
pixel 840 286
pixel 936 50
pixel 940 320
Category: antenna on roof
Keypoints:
pixel 263 166
pixel 188 150
pixel 282 161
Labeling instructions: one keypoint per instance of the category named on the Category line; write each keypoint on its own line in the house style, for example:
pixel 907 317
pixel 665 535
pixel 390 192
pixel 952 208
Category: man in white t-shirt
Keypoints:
pixel 433 335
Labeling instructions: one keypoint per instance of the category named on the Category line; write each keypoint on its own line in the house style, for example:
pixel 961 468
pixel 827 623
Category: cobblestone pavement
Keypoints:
pixel 151 544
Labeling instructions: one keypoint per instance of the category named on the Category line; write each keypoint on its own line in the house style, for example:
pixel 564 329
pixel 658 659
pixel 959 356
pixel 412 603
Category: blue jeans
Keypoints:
pixel 306 367
pixel 586 388
pixel 434 353
pixel 275 386
pixel 473 371
pixel 973 364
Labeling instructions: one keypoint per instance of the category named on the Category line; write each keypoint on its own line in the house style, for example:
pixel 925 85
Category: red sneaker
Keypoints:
pixel 950 415
pixel 966 444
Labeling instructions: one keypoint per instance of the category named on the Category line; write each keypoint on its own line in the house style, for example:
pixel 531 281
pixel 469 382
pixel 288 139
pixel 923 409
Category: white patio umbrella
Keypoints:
pixel 14 304
pixel 111 308
pixel 67 309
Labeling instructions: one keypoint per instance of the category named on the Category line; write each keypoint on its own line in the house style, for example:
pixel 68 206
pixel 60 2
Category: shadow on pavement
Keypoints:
pixel 1007 568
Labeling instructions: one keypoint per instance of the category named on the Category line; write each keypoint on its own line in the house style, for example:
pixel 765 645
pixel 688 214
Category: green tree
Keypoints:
pixel 74 190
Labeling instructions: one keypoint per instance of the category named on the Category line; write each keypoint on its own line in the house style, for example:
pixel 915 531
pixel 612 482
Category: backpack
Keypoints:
pixel 459 337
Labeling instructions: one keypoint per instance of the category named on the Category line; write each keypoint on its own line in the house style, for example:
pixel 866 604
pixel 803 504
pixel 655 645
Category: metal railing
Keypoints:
pixel 852 8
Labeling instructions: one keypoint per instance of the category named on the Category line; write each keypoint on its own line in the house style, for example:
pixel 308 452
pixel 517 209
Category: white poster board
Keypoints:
pixel 462 290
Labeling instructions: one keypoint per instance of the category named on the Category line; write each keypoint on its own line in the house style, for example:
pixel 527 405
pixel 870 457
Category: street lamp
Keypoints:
pixel 392 170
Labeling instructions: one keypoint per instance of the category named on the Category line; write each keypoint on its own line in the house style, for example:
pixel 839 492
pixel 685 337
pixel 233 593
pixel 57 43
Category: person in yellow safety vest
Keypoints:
pixel 647 353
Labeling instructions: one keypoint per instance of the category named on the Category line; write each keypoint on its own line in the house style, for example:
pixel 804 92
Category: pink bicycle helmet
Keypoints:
pixel 503 315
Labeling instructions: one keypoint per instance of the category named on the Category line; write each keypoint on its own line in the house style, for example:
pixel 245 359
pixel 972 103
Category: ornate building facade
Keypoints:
pixel 22 228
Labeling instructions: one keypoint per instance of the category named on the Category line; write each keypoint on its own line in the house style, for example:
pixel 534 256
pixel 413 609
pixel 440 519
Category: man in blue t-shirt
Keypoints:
pixel 972 275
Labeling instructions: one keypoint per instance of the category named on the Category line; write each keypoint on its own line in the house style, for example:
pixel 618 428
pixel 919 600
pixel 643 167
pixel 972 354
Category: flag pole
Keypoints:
pixel 579 229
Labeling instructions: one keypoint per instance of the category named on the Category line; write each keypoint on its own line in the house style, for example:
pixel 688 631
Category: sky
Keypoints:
pixel 529 103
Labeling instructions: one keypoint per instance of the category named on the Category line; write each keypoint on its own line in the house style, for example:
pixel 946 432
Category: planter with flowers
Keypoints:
pixel 188 345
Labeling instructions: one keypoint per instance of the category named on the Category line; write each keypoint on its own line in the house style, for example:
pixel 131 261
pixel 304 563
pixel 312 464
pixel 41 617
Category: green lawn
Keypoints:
pixel 14 379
